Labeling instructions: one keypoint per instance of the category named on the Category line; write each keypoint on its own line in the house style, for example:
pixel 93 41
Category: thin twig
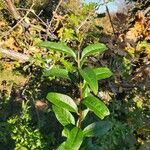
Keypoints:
pixel 8 32
pixel 85 21
pixel 12 9
pixel 146 10
pixel 39 18
pixel 111 22
pixel 54 13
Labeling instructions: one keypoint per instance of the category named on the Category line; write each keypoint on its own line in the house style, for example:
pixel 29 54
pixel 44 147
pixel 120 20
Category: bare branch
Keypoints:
pixel 107 10
pixel 19 22
pixel 146 11
pixel 14 55
pixel 55 13
pixel 12 9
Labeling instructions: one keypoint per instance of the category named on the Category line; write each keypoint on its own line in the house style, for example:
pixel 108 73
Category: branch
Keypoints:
pixel 111 22
pixel 146 11
pixel 85 21
pixel 14 55
pixel 21 20
pixel 12 9
pixel 56 9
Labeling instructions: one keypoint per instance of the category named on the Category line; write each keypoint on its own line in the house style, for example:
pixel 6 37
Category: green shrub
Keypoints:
pixel 72 111
pixel 24 136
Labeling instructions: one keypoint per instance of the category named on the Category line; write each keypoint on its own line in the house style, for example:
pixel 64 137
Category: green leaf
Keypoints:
pixel 67 64
pixel 22 147
pixel 86 91
pixel 97 128
pixel 67 129
pixel 63 116
pixel 74 140
pixel 63 101
pixel 57 72
pixel 84 113
pixel 68 35
pixel 90 77
pixel 92 49
pixel 97 106
pixel 61 47
pixel 102 73
pixel 65 132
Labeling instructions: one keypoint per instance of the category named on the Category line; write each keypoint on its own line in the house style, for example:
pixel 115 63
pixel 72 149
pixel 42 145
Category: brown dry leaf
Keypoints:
pixel 10 43
pixel 106 96
pixel 138 28
pixel 134 32
pixel 2 24
pixel 40 105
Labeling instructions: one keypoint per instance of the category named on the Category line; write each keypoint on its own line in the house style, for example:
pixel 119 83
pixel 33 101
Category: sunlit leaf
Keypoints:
pixel 102 73
pixel 56 72
pixel 74 140
pixel 92 49
pixel 63 116
pixel 67 64
pixel 65 132
pixel 84 113
pixel 86 91
pixel 97 106
pixel 61 47
pixel 63 101
pixel 90 77
pixel 67 129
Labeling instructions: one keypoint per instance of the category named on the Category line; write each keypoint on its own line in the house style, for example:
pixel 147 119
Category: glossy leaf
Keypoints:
pixel 56 72
pixel 93 49
pixel 63 116
pixel 67 64
pixel 84 113
pixel 86 91
pixel 65 132
pixel 74 140
pixel 97 128
pixel 67 129
pixel 97 106
pixel 61 47
pixel 90 77
pixel 102 73
pixel 63 101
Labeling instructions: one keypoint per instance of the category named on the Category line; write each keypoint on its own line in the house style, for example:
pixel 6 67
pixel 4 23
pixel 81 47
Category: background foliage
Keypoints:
pixel 27 120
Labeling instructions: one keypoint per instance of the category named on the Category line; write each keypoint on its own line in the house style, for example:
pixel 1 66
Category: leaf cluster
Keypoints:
pixel 65 106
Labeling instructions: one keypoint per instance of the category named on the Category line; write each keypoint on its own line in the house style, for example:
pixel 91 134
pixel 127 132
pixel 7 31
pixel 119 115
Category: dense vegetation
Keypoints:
pixel 71 78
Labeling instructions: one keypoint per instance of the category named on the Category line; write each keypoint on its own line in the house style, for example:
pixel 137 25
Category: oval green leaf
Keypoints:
pixel 57 72
pixel 97 129
pixel 97 106
pixel 65 132
pixel 92 49
pixel 63 101
pixel 74 140
pixel 84 113
pixel 67 129
pixel 90 77
pixel 63 116
pixel 102 73
pixel 86 91
pixel 61 47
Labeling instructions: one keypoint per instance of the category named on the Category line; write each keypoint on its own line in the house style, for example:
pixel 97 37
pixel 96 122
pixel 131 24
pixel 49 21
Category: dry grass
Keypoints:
pixel 10 78
pixel 105 23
